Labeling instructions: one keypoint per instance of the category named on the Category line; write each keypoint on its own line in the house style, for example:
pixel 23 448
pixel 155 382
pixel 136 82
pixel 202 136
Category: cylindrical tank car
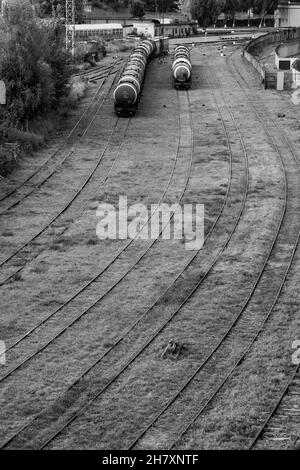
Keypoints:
pixel 182 68
pixel 128 90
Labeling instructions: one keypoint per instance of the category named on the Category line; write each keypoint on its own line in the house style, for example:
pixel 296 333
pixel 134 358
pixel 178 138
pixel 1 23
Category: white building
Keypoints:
pixel 155 28
pixel 287 14
pixel 106 31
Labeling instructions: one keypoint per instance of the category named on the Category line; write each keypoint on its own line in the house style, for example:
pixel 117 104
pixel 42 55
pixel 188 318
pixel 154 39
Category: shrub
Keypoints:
pixel 33 63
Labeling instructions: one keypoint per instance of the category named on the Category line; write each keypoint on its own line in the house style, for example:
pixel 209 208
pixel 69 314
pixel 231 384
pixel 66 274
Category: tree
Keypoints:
pixel 137 8
pixel 48 7
pixel 230 8
pixel 263 7
pixel 33 62
pixel 204 11
pixel 185 7
pixel 162 6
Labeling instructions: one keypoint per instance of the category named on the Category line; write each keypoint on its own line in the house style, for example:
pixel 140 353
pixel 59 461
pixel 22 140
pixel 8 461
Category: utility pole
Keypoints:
pixel 70 25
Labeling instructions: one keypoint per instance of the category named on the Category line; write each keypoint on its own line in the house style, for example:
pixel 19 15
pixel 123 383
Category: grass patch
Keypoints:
pixel 26 139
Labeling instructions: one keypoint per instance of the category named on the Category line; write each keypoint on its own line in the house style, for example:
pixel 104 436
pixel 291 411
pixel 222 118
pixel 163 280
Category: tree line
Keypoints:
pixel 207 11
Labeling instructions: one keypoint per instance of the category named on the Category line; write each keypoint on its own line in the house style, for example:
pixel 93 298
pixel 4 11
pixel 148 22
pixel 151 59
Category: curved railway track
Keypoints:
pixel 179 149
pixel 285 412
pixel 57 216
pixel 96 74
pixel 283 395
pixel 187 427
pixel 37 250
pixel 97 276
pixel 169 319
pixel 74 416
pixel 59 156
pixel 205 366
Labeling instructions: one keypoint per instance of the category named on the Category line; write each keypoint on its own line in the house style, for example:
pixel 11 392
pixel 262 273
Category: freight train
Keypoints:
pixel 182 68
pixel 128 91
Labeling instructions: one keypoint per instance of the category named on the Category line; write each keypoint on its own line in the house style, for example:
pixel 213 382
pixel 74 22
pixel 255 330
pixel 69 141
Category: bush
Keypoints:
pixel 77 90
pixel 8 157
pixel 119 45
pixel 26 139
pixel 33 63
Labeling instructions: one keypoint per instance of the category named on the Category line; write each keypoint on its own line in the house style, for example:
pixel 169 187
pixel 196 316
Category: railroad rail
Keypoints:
pixel 212 229
pixel 178 156
pixel 212 395
pixel 48 224
pixel 245 326
pixel 70 140
pixel 284 415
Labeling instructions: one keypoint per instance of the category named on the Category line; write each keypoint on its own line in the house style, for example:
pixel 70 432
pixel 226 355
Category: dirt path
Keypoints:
pixel 106 310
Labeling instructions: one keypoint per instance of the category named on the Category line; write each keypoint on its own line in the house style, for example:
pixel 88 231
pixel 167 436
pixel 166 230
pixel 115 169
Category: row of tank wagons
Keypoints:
pixel 182 68
pixel 128 90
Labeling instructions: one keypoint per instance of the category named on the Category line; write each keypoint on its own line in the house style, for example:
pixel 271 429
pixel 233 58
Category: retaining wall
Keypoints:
pixel 257 45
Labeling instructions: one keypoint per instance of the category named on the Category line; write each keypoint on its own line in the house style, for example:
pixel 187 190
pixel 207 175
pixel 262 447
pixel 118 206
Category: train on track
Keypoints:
pixel 128 91
pixel 182 68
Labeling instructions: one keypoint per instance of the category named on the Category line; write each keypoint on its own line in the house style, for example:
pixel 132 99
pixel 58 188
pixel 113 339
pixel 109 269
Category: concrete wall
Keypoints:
pixel 256 46
pixel 260 69
pixel 288 50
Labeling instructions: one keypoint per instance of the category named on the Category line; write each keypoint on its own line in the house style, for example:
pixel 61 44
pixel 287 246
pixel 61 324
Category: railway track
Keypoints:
pixel 173 169
pixel 283 417
pixel 161 328
pixel 255 330
pixel 61 154
pixel 98 71
pixel 285 406
pixel 30 245
pixel 78 381
pixel 191 386
pixel 281 426
pixel 119 280
pixel 97 275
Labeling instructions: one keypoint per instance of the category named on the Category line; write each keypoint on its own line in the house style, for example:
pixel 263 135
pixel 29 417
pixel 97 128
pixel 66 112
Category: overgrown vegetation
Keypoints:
pixel 35 69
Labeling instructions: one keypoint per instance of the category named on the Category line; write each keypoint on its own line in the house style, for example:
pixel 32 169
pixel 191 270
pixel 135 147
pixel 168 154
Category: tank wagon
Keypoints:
pixel 128 90
pixel 182 68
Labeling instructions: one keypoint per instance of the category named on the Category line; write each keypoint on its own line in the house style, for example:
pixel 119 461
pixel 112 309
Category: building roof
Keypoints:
pixel 97 26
